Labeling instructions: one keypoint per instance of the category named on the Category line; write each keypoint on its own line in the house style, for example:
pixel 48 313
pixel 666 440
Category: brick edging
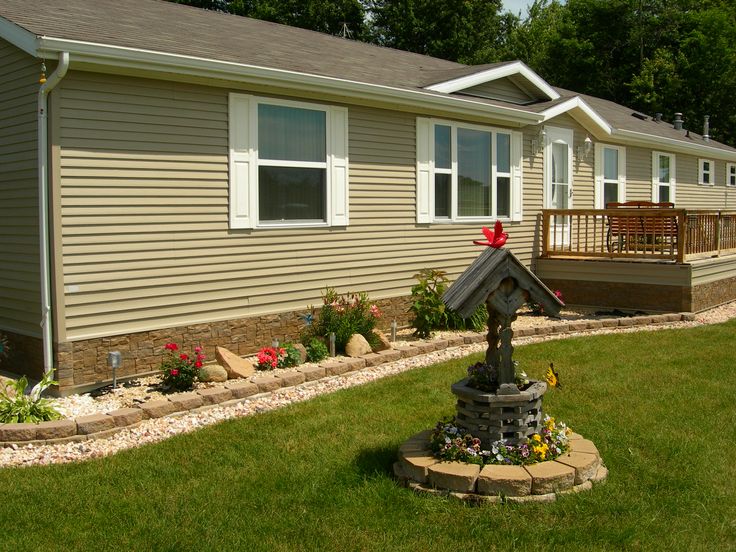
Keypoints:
pixel 572 472
pixel 99 426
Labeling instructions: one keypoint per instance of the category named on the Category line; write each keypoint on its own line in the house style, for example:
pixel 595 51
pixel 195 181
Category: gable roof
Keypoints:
pixel 163 37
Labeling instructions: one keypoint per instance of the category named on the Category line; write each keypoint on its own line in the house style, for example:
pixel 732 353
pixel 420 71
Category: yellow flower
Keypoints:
pixel 568 431
pixel 541 451
pixel 536 438
pixel 550 424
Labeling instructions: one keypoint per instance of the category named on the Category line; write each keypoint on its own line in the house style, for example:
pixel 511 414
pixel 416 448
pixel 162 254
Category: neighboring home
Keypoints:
pixel 202 177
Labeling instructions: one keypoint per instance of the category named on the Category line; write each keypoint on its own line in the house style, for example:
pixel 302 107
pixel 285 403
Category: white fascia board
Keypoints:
pixel 19 37
pixel 147 60
pixel 578 103
pixel 671 145
pixel 474 79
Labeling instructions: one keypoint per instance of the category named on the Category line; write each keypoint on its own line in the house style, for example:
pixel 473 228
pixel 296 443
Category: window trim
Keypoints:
pixel 426 172
pixel 244 163
pixel 655 175
pixel 711 172
pixel 600 180
pixel 730 167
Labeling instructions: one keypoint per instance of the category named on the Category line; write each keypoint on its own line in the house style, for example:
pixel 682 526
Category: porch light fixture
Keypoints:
pixel 585 149
pixel 538 142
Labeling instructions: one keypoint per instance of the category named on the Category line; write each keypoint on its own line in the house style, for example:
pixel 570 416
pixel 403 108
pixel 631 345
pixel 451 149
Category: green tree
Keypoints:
pixel 466 31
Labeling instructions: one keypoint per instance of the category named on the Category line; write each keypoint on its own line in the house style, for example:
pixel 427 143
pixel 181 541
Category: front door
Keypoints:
pixel 558 180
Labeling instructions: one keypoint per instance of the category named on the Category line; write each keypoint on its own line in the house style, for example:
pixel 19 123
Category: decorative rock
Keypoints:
pixel 212 372
pixel 302 352
pixel 585 465
pixel 242 389
pixel 215 395
pixel 550 477
pixel 383 343
pixel 504 480
pixel 187 401
pixel 291 378
pixel 17 432
pixel 312 373
pixel 357 346
pixel 126 416
pixel 235 366
pixel 157 409
pixel 94 423
pixel 267 383
pixel 57 429
pixel 454 476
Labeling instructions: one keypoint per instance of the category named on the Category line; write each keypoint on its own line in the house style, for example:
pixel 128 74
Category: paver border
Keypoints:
pixel 264 383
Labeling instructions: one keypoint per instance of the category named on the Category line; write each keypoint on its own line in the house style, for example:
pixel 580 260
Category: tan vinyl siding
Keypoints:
pixel 19 277
pixel 691 195
pixel 144 202
pixel 499 89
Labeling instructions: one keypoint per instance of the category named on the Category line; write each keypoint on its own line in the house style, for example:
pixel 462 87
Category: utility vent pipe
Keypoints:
pixel 706 128
pixel 678 121
pixel 658 117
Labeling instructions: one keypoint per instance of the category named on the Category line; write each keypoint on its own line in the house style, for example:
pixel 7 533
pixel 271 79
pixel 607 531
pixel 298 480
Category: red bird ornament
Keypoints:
pixel 496 237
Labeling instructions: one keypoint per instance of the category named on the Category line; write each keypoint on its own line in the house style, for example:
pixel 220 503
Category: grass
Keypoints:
pixel 317 475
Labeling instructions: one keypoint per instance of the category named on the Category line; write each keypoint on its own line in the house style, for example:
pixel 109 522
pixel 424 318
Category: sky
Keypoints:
pixel 516 6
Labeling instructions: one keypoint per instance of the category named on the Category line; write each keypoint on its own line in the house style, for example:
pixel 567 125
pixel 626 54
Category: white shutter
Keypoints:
pixel 673 178
pixel 339 190
pixel 655 176
pixel 621 174
pixel 424 152
pixel 241 163
pixel 517 181
pixel 599 201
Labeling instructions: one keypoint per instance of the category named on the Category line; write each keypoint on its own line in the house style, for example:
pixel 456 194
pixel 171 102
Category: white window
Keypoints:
pixel 288 163
pixel 467 173
pixel 705 173
pixel 610 175
pixel 730 174
pixel 663 177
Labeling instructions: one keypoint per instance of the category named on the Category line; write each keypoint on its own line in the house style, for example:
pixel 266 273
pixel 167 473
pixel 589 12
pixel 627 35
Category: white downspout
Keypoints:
pixel 43 208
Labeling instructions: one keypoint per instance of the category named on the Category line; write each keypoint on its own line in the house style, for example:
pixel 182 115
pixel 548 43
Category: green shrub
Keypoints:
pixel 23 408
pixel 430 313
pixel 317 350
pixel 292 357
pixel 345 315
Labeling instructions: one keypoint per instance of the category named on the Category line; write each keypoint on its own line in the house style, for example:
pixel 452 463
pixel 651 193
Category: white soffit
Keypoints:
pixel 18 36
pixel 516 68
pixel 581 111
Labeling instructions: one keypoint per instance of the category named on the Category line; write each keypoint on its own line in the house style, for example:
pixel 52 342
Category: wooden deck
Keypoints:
pixel 635 233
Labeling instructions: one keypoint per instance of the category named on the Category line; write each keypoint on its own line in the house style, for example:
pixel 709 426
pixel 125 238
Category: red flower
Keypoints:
pixel 171 347
pixel 174 372
pixel 184 356
pixel 198 364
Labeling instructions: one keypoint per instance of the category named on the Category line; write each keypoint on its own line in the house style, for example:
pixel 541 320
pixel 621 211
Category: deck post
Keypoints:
pixel 718 234
pixel 545 233
pixel 681 236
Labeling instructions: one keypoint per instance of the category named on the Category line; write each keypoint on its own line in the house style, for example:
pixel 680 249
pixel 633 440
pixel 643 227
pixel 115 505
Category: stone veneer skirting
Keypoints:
pixel 574 471
pixel 83 364
pixel 103 425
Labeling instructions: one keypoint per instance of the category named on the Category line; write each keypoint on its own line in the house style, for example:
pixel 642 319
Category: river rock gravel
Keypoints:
pixel 154 430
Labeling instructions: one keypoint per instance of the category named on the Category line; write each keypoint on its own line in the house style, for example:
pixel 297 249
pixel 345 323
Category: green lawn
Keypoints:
pixel 317 475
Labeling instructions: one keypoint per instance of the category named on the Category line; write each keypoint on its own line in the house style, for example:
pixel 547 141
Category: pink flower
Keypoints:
pixel 375 311
pixel 171 347
pixel 174 372
pixel 198 350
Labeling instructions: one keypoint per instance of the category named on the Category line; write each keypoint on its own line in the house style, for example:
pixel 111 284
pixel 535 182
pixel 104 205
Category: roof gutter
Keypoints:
pixel 634 138
pixel 43 208
pixel 148 60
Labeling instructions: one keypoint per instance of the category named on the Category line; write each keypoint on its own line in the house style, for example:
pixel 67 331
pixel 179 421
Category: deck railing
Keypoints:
pixel 666 234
